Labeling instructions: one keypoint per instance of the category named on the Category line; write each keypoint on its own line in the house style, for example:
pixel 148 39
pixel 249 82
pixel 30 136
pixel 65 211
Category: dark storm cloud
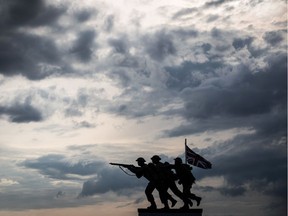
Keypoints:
pixel 83 46
pixel 274 37
pixel 34 57
pixel 31 56
pixel 249 162
pixel 252 93
pixel 233 191
pixel 159 45
pixel 230 102
pixel 59 167
pixel 185 75
pixel 29 13
pixel 21 113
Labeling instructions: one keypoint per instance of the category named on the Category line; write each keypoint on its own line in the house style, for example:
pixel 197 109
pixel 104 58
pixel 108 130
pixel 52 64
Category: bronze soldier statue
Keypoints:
pixel 150 173
pixel 186 178
pixel 168 178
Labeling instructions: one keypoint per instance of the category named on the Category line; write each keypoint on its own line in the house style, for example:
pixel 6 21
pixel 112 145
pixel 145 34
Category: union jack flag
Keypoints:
pixel 196 160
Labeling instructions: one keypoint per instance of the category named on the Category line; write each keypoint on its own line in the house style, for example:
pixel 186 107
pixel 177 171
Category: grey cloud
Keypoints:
pixel 206 47
pixel 274 37
pixel 212 18
pixel 185 75
pixel 258 95
pixel 30 13
pixel 109 23
pixel 248 163
pixel 233 191
pixel 35 57
pixel 84 15
pixel 184 12
pixel 69 112
pixel 132 109
pixel 160 45
pixel 217 33
pixel 84 124
pixel 58 167
pixel 246 99
pixel 184 33
pixel 215 3
pixel 110 179
pixel 21 113
pixel 120 45
pixel 40 199
pixel 84 45
pixel 239 43
pixel 32 56
pixel 122 76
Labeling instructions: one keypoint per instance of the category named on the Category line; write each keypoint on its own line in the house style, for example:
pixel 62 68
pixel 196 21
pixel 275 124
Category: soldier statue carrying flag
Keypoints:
pixel 162 176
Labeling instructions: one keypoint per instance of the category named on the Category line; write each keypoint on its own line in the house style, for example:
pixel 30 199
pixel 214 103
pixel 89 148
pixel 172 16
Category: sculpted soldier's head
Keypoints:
pixel 141 161
pixel 155 159
pixel 178 161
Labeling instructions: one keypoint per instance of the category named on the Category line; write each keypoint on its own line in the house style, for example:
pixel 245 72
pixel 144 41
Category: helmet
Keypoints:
pixel 178 160
pixel 156 158
pixel 140 159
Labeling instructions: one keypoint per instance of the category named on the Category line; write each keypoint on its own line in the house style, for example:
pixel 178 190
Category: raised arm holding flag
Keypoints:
pixel 194 159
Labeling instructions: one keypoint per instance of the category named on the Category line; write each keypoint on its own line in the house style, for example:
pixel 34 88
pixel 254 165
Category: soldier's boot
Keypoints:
pixel 166 206
pixel 198 200
pixel 173 202
pixel 190 203
pixel 194 197
pixel 185 206
pixel 152 206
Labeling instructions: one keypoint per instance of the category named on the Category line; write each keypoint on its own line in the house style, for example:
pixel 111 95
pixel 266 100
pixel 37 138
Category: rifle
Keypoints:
pixel 123 165
pixel 128 166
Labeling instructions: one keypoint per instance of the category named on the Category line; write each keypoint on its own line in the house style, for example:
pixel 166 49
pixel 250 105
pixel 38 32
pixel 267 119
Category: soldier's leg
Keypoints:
pixel 171 199
pixel 187 192
pixel 181 195
pixel 148 192
pixel 194 197
pixel 163 194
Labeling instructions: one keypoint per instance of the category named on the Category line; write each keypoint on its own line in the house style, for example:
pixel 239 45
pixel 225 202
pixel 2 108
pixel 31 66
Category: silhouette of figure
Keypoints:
pixel 146 171
pixel 186 178
pixel 150 173
pixel 168 179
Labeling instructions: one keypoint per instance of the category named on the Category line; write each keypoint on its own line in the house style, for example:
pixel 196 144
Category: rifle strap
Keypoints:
pixel 126 172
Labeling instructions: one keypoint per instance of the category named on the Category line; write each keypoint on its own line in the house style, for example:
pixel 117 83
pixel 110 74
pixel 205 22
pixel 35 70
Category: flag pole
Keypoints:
pixel 185 151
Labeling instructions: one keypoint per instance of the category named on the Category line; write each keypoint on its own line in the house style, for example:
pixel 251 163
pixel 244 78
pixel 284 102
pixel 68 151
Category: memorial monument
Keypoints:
pixel 162 177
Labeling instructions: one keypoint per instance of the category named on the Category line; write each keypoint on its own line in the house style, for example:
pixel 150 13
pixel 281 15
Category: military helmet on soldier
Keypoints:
pixel 178 160
pixel 155 158
pixel 140 159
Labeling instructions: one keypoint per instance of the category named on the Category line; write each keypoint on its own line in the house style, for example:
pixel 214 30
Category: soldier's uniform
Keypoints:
pixel 186 178
pixel 150 173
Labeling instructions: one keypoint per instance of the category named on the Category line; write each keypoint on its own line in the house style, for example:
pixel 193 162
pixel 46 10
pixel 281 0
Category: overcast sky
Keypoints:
pixel 85 83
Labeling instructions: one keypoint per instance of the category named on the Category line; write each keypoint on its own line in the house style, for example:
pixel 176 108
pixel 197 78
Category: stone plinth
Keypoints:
pixel 170 212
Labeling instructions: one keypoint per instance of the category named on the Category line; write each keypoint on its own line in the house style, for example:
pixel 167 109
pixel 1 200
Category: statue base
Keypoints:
pixel 170 212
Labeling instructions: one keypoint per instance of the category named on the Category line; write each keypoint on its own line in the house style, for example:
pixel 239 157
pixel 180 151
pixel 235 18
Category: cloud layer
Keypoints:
pixel 73 74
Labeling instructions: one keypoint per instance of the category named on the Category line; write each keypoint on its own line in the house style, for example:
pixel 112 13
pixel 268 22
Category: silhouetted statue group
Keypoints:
pixel 162 176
